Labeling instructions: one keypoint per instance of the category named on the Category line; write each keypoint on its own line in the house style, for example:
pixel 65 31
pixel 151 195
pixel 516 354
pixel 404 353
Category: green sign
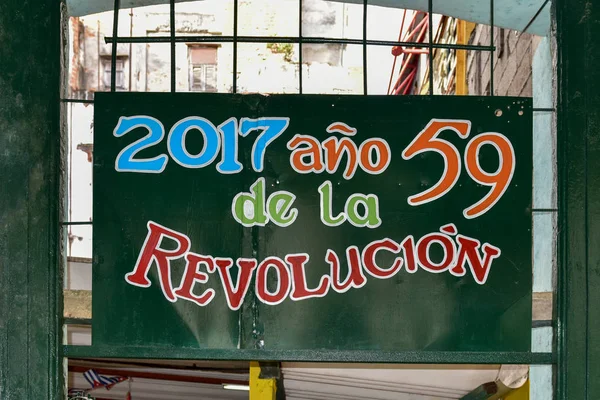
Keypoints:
pixel 308 222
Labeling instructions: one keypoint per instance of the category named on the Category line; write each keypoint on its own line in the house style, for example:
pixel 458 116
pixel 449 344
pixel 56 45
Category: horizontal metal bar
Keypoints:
pixel 545 210
pixel 478 48
pixel 77 321
pixel 290 39
pixel 80 260
pixel 69 223
pixel 541 324
pixel 358 356
pixel 77 101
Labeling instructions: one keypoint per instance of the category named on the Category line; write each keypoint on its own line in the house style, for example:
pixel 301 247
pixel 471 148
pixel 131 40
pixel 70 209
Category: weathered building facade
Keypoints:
pixel 207 67
pixel 513 60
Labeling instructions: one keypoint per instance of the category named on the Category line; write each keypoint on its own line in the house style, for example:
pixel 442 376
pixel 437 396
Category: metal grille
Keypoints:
pixel 236 39
pixel 300 40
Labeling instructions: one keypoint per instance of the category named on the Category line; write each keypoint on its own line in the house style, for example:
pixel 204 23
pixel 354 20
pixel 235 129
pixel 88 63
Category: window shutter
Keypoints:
pixel 197 77
pixel 211 78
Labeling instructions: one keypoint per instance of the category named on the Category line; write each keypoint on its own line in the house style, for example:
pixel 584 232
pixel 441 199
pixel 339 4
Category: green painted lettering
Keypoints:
pixel 279 206
pixel 326 198
pixel 370 217
pixel 249 208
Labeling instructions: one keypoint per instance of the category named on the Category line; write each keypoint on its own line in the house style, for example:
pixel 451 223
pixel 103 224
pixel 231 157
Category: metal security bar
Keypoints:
pixel 113 58
pixel 492 27
pixel 428 357
pixel 235 39
pixel 299 40
pixel 299 46
pixel 291 39
pixel 430 42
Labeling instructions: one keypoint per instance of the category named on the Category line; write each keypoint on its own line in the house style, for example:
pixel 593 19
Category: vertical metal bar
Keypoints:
pixel 113 55
pixel 365 75
pixel 300 45
pixel 578 164
pixel 172 30
pixel 235 44
pixel 430 16
pixel 32 199
pixel 129 80
pixel 492 46
pixel 396 57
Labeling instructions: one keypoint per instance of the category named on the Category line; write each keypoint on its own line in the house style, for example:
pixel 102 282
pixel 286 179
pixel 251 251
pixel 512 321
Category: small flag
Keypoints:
pixel 97 381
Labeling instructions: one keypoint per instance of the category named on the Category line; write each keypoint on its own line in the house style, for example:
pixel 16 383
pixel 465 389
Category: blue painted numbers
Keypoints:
pixel 156 132
pixel 223 138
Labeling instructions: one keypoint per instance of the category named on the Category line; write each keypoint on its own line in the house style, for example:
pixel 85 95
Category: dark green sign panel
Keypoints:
pixel 312 222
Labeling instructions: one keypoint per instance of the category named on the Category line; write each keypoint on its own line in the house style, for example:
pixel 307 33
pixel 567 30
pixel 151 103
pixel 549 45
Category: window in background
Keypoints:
pixel 119 73
pixel 203 68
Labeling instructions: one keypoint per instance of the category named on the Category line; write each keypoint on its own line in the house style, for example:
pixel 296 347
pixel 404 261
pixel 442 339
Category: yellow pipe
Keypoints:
pixel 261 389
pixel 463 33
pixel 521 393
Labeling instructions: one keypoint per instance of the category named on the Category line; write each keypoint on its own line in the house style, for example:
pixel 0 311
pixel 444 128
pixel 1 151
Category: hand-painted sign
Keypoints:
pixel 312 222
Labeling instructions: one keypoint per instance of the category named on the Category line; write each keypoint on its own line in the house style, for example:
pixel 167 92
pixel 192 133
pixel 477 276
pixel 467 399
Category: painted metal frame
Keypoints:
pixel 31 279
pixel 30 204
pixel 336 356
pixel 578 280
pixel 348 356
